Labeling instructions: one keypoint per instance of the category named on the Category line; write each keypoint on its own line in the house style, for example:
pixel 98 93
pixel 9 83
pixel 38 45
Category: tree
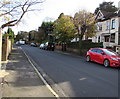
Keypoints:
pixel 41 34
pixel 13 11
pixel 106 6
pixel 19 36
pixel 10 33
pixel 85 24
pixel 46 29
pixel 33 36
pixel 64 28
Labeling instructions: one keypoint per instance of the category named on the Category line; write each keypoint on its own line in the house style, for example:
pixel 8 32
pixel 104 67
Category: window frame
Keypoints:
pixel 113 24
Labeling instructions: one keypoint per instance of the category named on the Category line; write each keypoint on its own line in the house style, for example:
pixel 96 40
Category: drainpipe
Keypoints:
pixel 109 32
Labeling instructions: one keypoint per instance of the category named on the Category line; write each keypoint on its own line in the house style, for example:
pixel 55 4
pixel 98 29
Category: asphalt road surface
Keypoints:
pixel 73 75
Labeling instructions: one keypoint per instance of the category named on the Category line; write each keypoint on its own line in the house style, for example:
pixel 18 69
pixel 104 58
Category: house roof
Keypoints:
pixel 109 14
pixel 105 15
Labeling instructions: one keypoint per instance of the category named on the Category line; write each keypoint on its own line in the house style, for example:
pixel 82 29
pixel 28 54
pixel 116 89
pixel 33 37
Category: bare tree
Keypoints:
pixel 14 11
pixel 85 23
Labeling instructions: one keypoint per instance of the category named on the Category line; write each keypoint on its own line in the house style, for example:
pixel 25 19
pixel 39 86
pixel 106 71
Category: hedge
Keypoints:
pixel 85 46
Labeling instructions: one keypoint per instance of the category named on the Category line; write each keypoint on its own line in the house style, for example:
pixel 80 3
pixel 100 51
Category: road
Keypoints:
pixel 73 75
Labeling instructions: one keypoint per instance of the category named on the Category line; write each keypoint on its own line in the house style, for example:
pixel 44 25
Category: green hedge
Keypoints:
pixel 88 45
pixel 74 45
pixel 85 46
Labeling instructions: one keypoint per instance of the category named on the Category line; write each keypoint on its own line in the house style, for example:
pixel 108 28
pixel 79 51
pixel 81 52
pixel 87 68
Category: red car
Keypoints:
pixel 103 56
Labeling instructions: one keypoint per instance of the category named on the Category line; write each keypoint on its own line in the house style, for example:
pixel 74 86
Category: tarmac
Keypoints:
pixel 22 80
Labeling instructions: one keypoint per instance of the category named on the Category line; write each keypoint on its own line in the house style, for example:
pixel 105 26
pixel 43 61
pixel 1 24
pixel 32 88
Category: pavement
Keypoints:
pixel 22 79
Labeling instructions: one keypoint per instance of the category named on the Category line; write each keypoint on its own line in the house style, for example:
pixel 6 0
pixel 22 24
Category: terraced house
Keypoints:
pixel 108 29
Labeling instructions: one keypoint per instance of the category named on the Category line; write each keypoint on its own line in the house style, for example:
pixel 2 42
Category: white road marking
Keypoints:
pixel 39 74
pixel 83 78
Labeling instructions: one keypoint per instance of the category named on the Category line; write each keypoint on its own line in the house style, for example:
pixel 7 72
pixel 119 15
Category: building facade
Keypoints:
pixel 108 24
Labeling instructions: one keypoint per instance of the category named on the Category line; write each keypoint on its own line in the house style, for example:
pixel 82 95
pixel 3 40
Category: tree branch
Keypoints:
pixel 8 24
pixel 8 12
pixel 25 7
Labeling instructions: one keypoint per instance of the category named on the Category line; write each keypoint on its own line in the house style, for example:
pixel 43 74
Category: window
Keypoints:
pixel 109 52
pixel 93 50
pixel 100 27
pixel 106 38
pixel 108 25
pixel 99 51
pixel 113 24
pixel 112 38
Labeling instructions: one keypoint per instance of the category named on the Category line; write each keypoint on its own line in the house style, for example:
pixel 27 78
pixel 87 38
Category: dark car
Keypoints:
pixel 103 56
pixel 50 46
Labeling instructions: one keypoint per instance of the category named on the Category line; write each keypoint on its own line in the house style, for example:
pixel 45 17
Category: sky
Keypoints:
pixel 51 9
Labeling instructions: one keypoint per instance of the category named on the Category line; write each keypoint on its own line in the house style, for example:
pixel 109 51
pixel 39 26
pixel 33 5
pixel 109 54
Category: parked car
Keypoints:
pixel 20 43
pixel 50 46
pixel 42 46
pixel 103 56
pixel 33 44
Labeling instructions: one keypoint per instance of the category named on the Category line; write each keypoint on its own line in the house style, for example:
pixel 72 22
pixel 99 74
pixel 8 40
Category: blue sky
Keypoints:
pixel 51 9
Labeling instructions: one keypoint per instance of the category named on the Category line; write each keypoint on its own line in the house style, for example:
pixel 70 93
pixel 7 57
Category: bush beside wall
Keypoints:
pixel 85 46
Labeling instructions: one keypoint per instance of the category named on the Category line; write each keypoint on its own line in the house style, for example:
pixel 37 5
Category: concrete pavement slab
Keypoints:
pixel 22 79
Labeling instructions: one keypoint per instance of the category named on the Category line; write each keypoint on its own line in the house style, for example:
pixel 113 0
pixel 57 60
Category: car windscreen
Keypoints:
pixel 109 52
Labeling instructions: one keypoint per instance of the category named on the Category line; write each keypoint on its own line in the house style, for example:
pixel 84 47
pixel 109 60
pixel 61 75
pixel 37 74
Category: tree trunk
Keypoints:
pixel 0 47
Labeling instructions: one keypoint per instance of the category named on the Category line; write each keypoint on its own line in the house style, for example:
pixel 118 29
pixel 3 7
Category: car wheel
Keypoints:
pixel 106 63
pixel 88 58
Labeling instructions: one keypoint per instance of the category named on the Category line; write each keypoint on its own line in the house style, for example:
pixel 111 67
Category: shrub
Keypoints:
pixel 84 46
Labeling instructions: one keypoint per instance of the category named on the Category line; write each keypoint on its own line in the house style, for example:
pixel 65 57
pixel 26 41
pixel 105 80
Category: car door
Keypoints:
pixel 93 54
pixel 99 56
